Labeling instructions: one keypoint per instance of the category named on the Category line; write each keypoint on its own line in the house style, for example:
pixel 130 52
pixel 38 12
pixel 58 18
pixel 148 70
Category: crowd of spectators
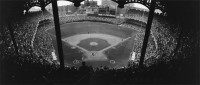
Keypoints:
pixel 79 18
pixel 7 48
pixel 43 42
pixel 24 29
pixel 166 39
pixel 141 16
pixel 163 32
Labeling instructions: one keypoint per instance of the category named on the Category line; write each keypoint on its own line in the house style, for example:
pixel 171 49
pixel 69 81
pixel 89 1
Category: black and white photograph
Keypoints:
pixel 99 42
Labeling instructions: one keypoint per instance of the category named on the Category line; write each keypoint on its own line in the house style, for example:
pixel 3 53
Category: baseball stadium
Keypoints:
pixel 113 41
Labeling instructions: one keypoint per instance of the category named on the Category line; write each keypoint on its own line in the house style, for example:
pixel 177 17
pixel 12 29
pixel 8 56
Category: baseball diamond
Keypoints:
pixel 94 42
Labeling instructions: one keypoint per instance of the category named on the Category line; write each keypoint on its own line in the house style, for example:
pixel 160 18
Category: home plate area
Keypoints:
pixel 93 45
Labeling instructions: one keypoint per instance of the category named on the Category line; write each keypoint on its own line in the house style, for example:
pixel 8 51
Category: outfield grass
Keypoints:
pixel 71 29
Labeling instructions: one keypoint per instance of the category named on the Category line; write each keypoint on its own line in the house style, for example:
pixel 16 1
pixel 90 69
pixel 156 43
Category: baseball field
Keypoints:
pixel 98 44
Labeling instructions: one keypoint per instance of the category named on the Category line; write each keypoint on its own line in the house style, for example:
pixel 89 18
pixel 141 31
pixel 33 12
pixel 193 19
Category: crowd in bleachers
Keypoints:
pixel 43 42
pixel 79 18
pixel 164 33
pixel 166 39
pixel 138 28
pixel 141 16
pixel 6 43
pixel 24 29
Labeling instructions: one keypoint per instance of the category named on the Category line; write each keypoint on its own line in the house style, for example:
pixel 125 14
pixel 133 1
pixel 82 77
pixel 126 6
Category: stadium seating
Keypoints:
pixel 35 47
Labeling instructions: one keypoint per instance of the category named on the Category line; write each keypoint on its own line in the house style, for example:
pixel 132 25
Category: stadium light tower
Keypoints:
pixel 147 32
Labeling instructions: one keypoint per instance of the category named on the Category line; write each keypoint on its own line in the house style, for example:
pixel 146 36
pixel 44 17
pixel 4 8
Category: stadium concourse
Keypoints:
pixel 111 45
